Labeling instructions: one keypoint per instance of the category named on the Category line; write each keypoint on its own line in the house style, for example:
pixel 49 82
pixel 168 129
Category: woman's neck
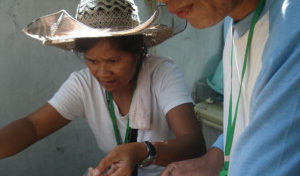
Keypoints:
pixel 123 99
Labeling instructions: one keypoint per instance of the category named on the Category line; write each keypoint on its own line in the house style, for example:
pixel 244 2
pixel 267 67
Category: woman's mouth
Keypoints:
pixel 107 83
pixel 183 12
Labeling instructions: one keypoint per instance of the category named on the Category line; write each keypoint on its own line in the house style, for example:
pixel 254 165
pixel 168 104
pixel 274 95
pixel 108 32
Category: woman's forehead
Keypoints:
pixel 104 44
pixel 105 49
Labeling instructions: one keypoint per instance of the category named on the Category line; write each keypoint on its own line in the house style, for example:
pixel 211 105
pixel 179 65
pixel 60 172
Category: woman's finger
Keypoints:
pixel 120 172
pixel 112 169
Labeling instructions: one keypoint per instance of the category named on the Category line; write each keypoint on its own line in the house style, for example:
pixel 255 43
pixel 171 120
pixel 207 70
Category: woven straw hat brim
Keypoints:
pixel 60 30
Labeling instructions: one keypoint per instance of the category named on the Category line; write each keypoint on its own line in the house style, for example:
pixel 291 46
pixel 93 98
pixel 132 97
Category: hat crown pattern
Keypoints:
pixel 117 14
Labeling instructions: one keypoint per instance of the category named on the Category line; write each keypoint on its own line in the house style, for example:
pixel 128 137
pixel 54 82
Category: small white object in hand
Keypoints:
pixel 90 172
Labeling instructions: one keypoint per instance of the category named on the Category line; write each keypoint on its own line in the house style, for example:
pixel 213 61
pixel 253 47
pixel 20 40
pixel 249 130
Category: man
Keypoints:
pixel 265 138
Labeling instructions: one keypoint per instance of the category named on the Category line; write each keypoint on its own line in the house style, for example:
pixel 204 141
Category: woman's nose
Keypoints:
pixel 103 70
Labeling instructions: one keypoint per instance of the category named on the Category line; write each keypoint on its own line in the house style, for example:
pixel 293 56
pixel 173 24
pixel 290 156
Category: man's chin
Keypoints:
pixel 202 24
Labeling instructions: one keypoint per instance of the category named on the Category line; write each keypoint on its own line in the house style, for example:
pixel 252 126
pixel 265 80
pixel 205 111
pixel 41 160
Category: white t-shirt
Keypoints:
pixel 253 69
pixel 82 96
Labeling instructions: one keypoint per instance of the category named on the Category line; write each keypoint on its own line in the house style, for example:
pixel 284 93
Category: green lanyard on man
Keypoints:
pixel 231 124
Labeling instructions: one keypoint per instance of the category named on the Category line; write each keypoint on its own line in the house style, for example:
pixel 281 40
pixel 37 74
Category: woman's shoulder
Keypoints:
pixel 159 63
pixel 84 73
pixel 165 71
pixel 82 76
pixel 151 59
pixel 162 64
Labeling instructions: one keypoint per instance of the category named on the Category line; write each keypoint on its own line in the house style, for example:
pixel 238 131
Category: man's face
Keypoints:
pixel 201 13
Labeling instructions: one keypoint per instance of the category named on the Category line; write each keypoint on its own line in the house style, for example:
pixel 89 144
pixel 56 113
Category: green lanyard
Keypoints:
pixel 114 121
pixel 231 124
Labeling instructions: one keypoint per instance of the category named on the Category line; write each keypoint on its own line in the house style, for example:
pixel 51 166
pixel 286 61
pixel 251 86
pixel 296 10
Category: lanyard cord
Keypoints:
pixel 231 124
pixel 113 118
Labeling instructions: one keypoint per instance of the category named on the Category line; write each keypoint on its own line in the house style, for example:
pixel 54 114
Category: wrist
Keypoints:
pixel 215 157
pixel 141 152
pixel 151 154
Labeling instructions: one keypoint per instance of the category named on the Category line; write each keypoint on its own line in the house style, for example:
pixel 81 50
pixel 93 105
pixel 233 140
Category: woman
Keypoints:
pixel 137 105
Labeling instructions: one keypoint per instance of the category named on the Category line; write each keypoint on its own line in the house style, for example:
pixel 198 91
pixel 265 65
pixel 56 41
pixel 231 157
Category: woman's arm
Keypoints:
pixel 21 133
pixel 189 141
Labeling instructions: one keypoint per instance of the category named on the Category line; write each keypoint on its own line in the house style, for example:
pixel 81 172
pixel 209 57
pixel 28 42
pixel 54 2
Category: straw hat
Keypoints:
pixel 104 18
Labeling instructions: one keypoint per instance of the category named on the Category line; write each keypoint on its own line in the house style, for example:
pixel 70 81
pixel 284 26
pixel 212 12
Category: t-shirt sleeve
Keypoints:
pixel 67 100
pixel 170 86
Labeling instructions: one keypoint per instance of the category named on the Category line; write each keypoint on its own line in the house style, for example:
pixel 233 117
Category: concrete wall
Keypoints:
pixel 197 53
pixel 30 74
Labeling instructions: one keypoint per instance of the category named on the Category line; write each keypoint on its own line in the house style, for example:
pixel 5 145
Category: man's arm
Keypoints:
pixel 208 165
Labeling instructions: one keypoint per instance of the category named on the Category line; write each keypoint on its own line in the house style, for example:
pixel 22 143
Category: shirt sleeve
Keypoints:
pixel 67 100
pixel 170 86
pixel 219 143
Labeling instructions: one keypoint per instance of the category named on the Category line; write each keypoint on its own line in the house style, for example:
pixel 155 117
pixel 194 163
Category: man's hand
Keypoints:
pixel 208 165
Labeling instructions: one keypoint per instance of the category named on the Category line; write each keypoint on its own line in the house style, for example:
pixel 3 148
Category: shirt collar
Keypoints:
pixel 242 26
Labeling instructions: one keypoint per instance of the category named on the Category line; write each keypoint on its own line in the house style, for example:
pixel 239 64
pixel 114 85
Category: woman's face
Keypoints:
pixel 113 68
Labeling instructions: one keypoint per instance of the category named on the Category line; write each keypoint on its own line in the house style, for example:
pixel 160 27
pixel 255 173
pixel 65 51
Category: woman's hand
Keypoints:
pixel 122 160
pixel 188 143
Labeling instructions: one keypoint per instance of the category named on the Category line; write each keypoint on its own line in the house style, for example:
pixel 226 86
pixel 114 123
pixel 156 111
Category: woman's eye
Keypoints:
pixel 112 60
pixel 92 61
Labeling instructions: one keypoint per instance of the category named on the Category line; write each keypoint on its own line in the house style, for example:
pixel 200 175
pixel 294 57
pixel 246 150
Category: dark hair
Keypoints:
pixel 134 44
